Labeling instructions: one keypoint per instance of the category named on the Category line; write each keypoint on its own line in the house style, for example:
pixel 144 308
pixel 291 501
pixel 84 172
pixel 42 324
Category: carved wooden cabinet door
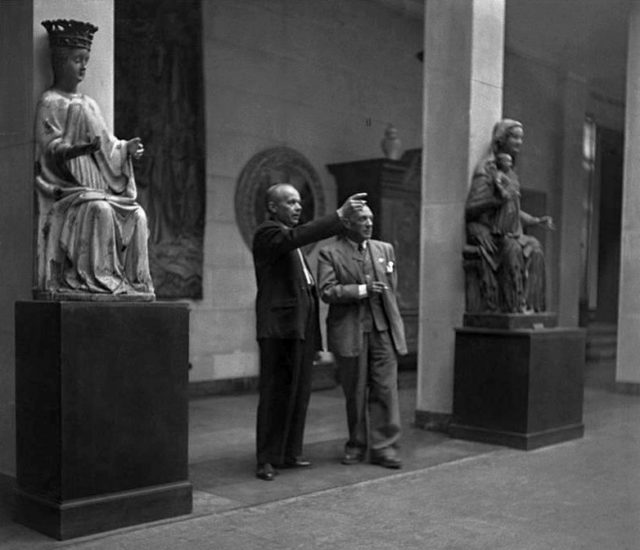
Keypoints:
pixel 400 225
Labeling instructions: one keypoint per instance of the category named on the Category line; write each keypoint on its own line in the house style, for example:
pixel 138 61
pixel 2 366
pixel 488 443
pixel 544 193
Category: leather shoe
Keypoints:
pixel 352 457
pixel 265 472
pixel 387 458
pixel 295 462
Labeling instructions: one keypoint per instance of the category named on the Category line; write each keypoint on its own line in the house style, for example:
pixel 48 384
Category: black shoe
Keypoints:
pixel 265 472
pixel 386 458
pixel 352 457
pixel 295 462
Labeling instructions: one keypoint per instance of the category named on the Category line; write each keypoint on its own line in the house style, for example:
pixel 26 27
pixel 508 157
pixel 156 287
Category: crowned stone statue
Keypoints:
pixel 91 233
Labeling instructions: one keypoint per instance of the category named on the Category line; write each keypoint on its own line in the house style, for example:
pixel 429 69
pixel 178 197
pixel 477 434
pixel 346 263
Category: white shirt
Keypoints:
pixel 307 273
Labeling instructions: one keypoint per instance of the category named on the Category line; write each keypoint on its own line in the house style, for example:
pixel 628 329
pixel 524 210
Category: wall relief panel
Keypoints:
pixel 275 165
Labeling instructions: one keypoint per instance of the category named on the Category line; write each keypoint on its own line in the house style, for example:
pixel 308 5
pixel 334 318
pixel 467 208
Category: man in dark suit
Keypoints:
pixel 357 278
pixel 288 328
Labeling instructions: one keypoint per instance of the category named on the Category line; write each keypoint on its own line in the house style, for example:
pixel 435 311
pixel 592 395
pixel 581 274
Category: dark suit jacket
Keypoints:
pixel 339 274
pixel 282 305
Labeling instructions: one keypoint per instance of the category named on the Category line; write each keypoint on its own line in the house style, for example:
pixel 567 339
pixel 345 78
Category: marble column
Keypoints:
pixel 463 79
pixel 575 192
pixel 627 365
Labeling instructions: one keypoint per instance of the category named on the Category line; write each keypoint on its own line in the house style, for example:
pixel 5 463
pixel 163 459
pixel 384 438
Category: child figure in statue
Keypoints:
pixel 92 234
pixel 513 272
pixel 504 165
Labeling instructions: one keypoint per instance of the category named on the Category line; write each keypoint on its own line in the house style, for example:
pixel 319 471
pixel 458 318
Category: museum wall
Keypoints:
pixel 323 78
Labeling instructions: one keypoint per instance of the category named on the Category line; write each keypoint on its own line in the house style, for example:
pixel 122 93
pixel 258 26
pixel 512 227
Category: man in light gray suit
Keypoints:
pixel 357 278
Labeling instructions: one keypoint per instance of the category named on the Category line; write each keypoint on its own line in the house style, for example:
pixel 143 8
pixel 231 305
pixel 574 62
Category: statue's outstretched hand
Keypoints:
pixel 547 222
pixel 135 147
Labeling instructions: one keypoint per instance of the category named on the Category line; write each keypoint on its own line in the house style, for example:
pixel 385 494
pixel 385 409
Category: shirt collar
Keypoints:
pixel 356 246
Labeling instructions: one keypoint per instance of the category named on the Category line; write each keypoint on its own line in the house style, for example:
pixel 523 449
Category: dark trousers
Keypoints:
pixel 285 389
pixel 370 384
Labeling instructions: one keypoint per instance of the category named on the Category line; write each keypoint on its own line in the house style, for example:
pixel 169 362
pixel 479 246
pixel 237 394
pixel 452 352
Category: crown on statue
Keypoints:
pixel 68 33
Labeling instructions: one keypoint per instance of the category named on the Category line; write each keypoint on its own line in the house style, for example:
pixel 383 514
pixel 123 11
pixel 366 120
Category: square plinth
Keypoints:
pixel 101 415
pixel 519 388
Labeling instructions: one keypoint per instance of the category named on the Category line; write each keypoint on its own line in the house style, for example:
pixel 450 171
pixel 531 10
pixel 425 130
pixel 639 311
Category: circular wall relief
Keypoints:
pixel 275 165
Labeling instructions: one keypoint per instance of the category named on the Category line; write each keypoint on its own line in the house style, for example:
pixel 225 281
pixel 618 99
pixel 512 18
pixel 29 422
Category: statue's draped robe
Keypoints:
pixel 513 274
pixel 92 235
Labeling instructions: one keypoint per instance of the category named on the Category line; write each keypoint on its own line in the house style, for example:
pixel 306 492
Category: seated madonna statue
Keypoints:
pixel 91 233
pixel 512 272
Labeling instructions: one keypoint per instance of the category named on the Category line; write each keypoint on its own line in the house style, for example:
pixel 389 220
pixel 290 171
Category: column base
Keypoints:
pixel 432 421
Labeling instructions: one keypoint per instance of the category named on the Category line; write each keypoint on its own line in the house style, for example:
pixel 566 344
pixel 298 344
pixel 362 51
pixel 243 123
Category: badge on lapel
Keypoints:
pixel 389 267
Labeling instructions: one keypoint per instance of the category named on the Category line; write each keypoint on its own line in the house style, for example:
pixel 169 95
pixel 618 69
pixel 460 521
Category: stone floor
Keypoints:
pixel 451 494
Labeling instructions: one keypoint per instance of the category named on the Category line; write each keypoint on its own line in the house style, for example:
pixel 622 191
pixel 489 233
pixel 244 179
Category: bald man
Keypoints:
pixel 288 329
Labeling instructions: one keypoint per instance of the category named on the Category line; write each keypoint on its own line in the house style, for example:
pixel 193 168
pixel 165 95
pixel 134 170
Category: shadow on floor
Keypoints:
pixel 225 479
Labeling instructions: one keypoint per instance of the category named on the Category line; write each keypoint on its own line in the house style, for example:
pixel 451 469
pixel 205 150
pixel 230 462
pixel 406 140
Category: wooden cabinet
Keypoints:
pixel 393 188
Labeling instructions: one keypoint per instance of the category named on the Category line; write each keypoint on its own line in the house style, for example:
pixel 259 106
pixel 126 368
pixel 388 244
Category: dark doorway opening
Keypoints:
pixel 610 145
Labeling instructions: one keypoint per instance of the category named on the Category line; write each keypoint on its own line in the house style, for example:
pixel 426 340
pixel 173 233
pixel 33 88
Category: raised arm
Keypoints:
pixel 274 239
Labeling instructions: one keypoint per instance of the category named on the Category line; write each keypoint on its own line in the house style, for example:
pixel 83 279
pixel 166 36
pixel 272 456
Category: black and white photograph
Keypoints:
pixel 320 274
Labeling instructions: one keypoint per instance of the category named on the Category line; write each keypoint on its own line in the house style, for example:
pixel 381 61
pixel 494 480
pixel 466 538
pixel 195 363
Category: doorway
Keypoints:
pixel 609 168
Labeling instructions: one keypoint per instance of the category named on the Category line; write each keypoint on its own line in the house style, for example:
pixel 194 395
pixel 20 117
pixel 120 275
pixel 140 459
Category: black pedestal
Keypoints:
pixel 519 388
pixel 101 415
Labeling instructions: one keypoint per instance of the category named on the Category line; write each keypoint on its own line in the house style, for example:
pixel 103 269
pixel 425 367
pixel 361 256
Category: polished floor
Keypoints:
pixel 451 494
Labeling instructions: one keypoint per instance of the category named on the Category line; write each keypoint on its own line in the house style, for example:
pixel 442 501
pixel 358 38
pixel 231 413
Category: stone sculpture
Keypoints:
pixel 91 233
pixel 504 267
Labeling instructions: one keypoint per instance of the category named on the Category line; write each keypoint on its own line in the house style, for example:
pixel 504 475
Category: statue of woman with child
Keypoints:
pixel 512 272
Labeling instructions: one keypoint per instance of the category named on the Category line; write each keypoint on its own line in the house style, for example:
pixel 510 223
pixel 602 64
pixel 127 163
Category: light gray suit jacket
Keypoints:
pixel 339 275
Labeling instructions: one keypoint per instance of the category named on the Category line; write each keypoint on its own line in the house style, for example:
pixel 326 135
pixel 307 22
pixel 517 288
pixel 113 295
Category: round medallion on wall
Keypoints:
pixel 275 165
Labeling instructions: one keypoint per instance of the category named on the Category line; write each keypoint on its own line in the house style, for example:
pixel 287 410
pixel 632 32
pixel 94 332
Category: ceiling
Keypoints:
pixel 586 37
